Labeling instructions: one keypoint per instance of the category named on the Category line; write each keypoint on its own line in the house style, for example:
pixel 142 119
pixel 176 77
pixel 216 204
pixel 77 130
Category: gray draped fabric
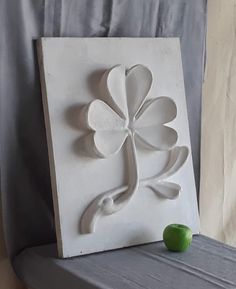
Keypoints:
pixel 207 264
pixel 25 180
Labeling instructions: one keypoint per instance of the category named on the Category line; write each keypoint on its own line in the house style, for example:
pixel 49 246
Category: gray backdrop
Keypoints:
pixel 25 180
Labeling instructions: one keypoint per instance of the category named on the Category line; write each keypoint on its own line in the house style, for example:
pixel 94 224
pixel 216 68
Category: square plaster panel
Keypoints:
pixel 118 140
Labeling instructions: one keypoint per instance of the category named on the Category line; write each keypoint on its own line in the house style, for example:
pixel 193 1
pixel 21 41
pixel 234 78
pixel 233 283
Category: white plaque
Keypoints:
pixel 118 140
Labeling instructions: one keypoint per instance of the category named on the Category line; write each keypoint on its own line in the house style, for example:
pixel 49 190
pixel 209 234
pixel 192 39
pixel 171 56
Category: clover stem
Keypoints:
pixel 133 181
pixel 119 199
pixel 113 201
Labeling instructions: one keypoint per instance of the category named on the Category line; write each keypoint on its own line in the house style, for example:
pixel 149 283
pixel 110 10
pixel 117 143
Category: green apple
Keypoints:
pixel 177 237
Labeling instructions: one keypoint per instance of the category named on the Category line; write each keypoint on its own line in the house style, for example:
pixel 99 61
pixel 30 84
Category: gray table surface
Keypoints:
pixel 207 264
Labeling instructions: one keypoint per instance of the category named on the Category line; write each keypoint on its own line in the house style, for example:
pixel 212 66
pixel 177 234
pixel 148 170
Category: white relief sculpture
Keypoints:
pixel 124 119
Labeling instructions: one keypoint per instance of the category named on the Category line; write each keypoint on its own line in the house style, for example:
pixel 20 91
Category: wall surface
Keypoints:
pixel 218 151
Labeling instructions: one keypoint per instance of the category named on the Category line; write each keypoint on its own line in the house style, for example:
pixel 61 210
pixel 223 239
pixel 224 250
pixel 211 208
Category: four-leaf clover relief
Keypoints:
pixel 127 117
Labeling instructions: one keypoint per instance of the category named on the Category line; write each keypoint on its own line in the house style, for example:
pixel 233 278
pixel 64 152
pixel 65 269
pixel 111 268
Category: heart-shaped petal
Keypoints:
pixel 113 81
pixel 158 137
pixel 157 111
pixel 108 143
pixel 101 117
pixel 138 84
